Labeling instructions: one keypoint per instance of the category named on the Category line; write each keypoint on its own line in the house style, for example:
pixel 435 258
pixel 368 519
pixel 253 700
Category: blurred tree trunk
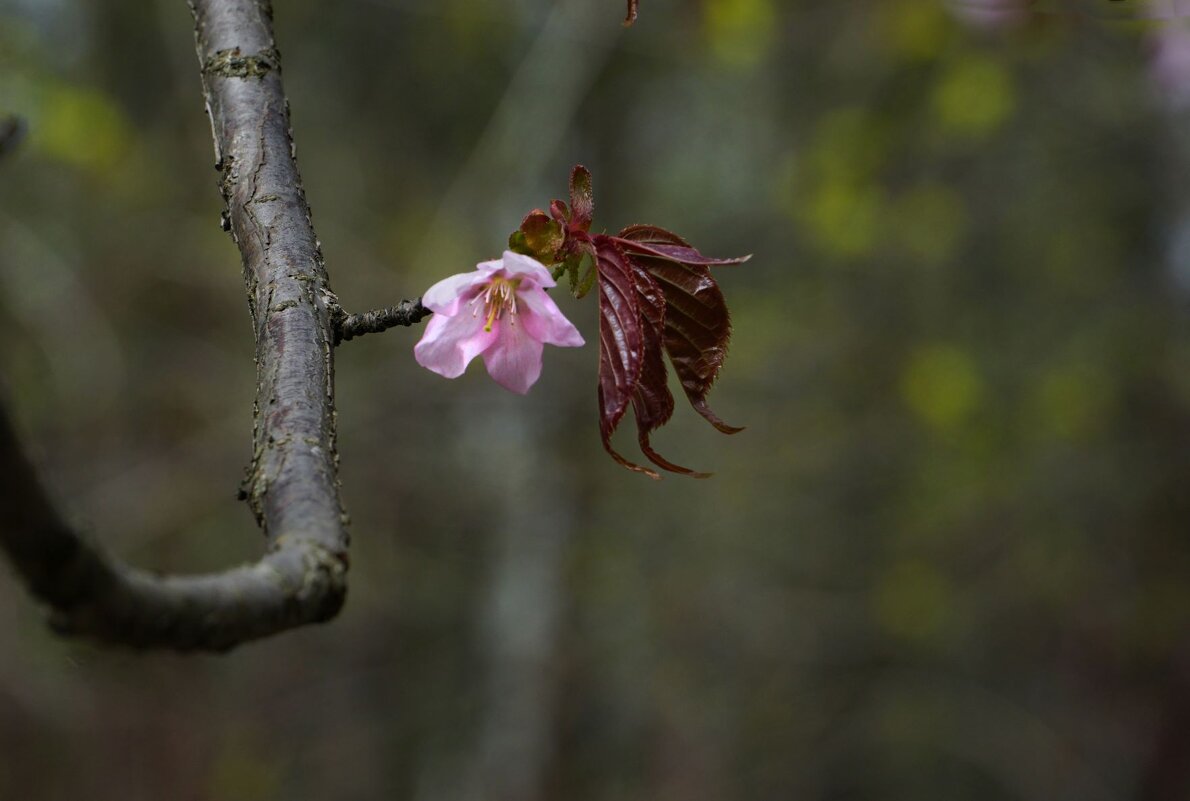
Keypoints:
pixel 522 607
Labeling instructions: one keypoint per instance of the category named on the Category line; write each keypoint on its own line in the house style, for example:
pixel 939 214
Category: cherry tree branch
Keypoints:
pixel 406 313
pixel 94 595
pixel 291 485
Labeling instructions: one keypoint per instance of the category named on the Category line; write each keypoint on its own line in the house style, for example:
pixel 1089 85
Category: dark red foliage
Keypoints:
pixel 656 295
pixel 697 323
pixel 622 340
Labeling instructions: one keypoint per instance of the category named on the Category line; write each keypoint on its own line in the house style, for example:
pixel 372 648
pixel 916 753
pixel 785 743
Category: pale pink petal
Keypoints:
pixel 544 321
pixel 1170 62
pixel 529 270
pixel 514 361
pixel 512 349
pixel 990 15
pixel 446 296
pixel 490 267
pixel 450 343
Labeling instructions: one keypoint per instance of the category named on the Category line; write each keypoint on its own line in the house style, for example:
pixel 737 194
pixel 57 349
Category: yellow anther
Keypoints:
pixel 500 297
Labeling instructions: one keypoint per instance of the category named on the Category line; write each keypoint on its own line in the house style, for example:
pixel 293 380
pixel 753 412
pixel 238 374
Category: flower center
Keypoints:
pixel 498 299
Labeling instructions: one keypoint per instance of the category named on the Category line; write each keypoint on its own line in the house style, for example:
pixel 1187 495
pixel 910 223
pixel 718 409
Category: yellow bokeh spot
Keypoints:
pixel 833 190
pixel 913 600
pixel 81 127
pixel 916 30
pixel 941 384
pixel 469 23
pixel 844 217
pixel 740 32
pixel 239 772
pixel 1073 400
pixel 929 221
pixel 847 146
pixel 974 96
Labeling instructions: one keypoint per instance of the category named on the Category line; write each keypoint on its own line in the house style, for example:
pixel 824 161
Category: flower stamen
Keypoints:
pixel 500 298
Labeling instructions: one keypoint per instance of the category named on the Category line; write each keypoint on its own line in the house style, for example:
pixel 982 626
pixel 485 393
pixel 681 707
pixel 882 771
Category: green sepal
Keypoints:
pixel 518 244
pixel 581 270
pixel 541 237
pixel 587 282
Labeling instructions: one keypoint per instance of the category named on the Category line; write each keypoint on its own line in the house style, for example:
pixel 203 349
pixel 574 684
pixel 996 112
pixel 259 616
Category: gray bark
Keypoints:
pixel 291 485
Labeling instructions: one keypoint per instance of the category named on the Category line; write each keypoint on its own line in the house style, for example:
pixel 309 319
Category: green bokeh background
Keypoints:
pixel 947 559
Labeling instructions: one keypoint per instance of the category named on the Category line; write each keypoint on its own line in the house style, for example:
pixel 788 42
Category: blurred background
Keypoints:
pixel 947 559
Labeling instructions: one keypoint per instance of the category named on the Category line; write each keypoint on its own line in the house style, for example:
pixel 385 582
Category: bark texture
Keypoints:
pixel 291 485
pixel 406 313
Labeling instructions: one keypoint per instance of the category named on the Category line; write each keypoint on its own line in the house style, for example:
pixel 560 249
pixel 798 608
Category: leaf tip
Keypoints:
pixel 665 464
pixel 631 18
pixel 633 466
pixel 700 406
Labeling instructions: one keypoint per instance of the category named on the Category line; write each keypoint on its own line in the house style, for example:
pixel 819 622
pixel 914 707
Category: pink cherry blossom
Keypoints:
pixel 500 310
pixel 1169 63
pixel 991 15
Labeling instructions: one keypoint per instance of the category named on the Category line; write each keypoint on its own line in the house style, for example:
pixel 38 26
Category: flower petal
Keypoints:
pixel 490 267
pixel 450 343
pixel 446 296
pixel 544 321
pixel 514 361
pixel 529 270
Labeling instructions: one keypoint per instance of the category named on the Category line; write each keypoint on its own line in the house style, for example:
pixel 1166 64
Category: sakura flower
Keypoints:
pixel 1169 63
pixel 991 15
pixel 500 310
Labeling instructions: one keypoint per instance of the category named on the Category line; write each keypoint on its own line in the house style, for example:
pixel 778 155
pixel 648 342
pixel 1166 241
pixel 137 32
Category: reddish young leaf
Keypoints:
pixel 697 330
pixel 656 294
pixel 621 343
pixel 631 18
pixel 678 253
pixel 652 402
pixel 697 323
pixel 582 199
pixel 653 241
pixel 652 233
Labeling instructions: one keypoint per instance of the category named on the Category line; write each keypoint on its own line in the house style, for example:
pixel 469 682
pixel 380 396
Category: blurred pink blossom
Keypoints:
pixel 990 14
pixel 1169 62
pixel 501 311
